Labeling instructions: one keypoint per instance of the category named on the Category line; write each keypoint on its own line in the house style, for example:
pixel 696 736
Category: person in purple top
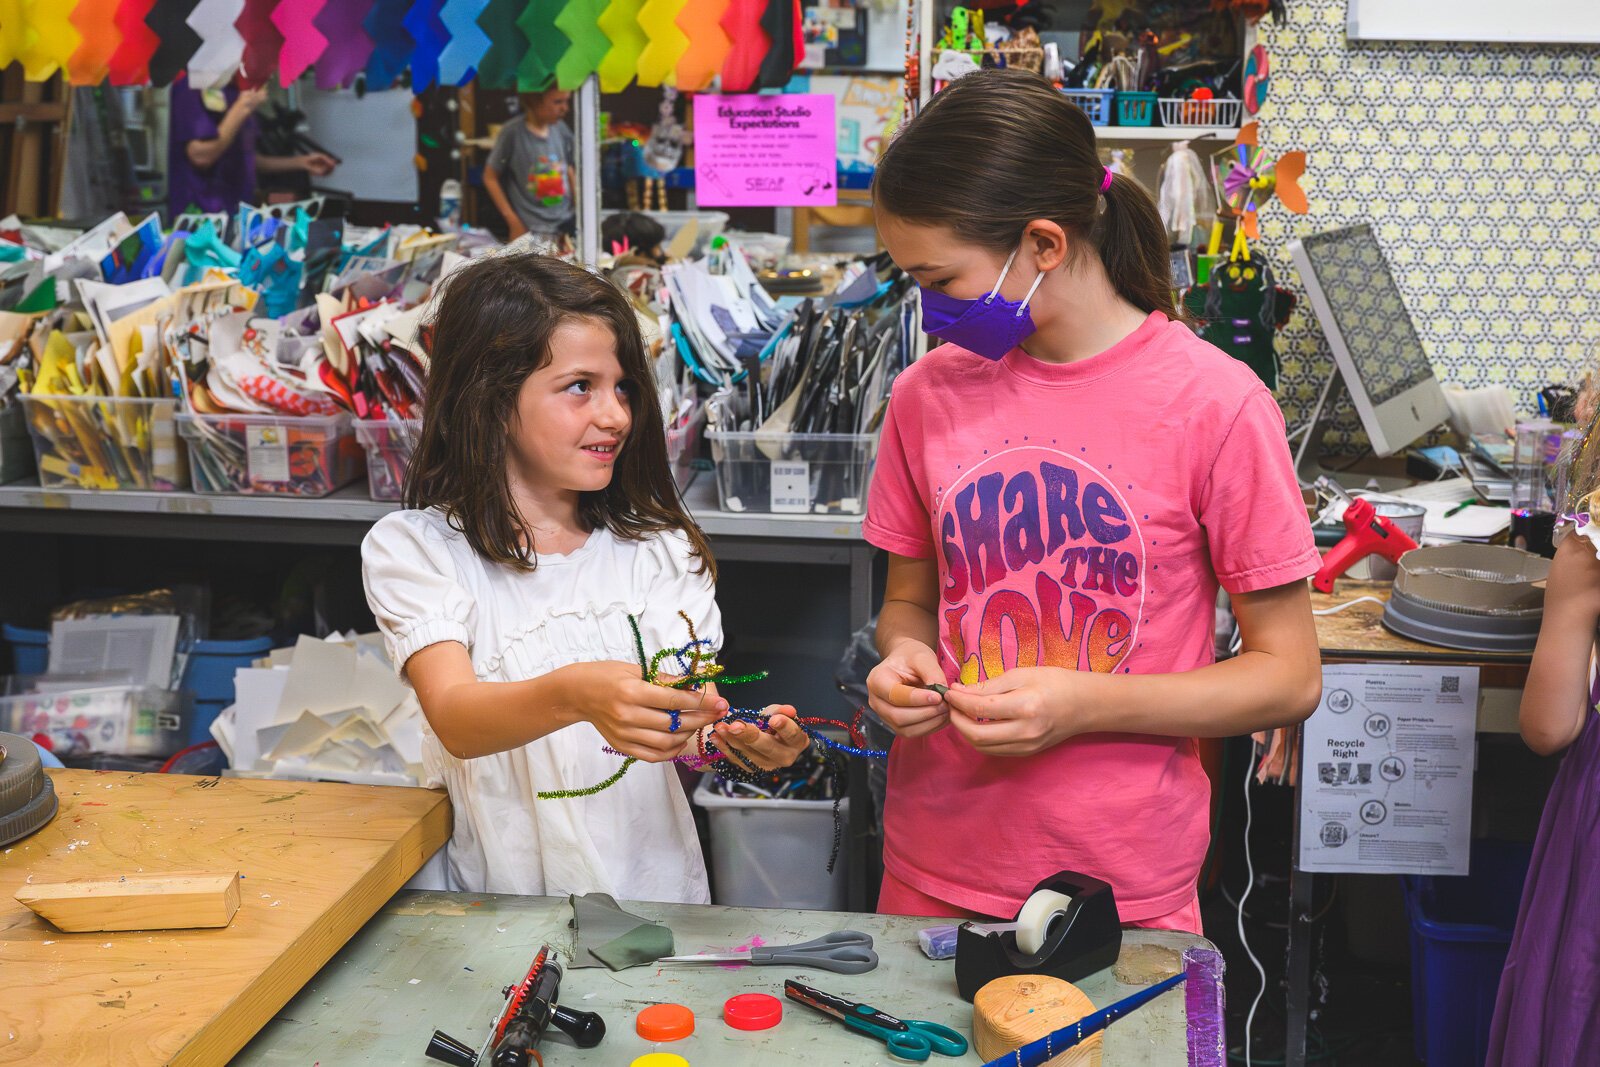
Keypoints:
pixel 211 150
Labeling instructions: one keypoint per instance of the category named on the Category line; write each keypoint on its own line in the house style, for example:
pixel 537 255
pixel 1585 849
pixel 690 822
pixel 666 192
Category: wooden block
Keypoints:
pixel 182 900
pixel 1012 1011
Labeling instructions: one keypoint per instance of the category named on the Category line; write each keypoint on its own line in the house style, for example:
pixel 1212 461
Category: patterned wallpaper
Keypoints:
pixel 1479 165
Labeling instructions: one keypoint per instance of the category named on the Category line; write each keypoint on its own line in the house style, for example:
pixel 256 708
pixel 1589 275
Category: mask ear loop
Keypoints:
pixel 1003 272
pixel 1023 307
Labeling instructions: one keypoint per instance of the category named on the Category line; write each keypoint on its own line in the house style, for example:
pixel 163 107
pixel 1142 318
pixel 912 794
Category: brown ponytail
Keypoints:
pixel 998 149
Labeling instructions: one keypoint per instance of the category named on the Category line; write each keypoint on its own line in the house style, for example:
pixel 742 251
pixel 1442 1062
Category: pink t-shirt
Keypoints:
pixel 1082 516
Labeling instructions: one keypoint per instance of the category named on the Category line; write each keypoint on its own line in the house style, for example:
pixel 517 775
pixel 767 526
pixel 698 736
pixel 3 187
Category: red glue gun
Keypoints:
pixel 1366 532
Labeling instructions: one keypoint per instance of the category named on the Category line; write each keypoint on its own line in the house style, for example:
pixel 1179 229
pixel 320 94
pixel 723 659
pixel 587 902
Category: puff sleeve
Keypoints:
pixel 413 585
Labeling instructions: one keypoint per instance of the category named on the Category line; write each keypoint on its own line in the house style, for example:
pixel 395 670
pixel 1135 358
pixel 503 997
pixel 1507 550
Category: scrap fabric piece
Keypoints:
pixel 349 45
pixel 666 42
pixel 130 63
pixel 620 22
pixel 580 21
pixel 176 39
pixel 749 44
pixel 50 38
pixel 625 939
pixel 546 45
pixel 303 43
pixel 467 44
pixel 497 68
pixel 422 22
pixel 262 43
pixel 96 24
pixel 221 49
pixel 391 43
pixel 701 23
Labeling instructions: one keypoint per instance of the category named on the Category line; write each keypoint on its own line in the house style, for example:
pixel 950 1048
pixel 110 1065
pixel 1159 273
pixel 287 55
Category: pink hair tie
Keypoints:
pixel 1106 183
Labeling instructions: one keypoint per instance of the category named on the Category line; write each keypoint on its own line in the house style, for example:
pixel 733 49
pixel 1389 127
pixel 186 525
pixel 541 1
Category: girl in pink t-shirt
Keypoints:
pixel 1062 487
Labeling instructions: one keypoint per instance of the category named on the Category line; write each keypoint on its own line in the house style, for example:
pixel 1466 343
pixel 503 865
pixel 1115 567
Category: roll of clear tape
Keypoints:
pixel 1039 913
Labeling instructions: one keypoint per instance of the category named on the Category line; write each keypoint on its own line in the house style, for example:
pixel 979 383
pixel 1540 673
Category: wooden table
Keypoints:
pixel 439 960
pixel 317 860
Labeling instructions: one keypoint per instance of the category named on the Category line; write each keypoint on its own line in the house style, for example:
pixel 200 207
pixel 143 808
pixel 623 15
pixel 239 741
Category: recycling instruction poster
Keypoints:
pixel 1386 773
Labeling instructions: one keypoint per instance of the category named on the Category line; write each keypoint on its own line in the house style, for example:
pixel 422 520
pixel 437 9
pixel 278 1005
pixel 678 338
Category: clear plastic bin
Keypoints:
pixel 711 224
pixel 773 853
pixel 282 455
pixel 683 448
pixel 109 719
pixel 100 442
pixel 822 474
pixel 389 445
pixel 16 447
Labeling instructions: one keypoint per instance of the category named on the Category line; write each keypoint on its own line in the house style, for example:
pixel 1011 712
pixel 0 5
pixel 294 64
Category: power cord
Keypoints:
pixel 1250 871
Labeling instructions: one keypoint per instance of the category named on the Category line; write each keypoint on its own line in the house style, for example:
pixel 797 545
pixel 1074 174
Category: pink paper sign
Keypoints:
pixel 765 151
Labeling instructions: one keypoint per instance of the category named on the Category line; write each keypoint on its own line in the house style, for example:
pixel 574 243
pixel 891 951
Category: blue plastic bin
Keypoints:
pixel 1460 932
pixel 1096 103
pixel 30 649
pixel 208 675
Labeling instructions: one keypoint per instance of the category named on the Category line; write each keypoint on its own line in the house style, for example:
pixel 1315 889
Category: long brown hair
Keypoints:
pixel 491 330
pixel 996 150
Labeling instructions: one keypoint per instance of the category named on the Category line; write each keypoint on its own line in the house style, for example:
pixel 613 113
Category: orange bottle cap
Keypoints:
pixel 665 1022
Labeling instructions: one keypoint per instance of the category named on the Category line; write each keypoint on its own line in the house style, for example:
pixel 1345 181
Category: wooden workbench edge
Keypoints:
pixel 220 1039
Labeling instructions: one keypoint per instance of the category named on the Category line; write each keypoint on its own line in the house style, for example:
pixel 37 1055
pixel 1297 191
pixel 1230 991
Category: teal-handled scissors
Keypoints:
pixel 910 1039
pixel 843 952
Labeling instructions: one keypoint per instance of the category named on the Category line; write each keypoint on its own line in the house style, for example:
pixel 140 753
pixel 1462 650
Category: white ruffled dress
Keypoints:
pixel 635 840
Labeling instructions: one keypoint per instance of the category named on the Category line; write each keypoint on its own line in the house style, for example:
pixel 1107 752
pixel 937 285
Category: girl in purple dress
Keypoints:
pixel 1548 1010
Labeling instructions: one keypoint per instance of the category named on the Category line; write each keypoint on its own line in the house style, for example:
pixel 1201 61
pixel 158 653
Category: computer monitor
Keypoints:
pixel 1376 349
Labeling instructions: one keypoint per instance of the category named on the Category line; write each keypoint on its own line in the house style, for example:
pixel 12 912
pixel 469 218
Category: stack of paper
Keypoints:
pixel 328 710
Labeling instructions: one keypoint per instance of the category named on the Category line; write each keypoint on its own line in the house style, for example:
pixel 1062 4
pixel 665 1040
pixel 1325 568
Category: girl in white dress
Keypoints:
pixel 542 515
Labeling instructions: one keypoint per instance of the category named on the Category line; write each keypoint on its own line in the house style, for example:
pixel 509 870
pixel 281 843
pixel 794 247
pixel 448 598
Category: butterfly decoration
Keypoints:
pixel 1246 178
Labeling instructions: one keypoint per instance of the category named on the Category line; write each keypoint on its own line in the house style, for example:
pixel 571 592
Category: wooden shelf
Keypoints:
pixel 1148 134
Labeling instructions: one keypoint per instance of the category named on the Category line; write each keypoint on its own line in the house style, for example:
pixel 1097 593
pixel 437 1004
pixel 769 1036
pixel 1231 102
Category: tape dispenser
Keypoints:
pixel 1068 928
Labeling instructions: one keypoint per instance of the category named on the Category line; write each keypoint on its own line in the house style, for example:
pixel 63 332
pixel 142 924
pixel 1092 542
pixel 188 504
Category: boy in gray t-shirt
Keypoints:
pixel 529 174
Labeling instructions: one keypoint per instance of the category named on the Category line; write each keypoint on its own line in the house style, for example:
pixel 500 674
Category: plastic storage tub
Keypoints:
pixel 96 442
pixel 683 448
pixel 1096 103
pixel 711 223
pixel 823 474
pixel 773 853
pixel 1136 109
pixel 207 676
pixel 30 649
pixel 16 447
pixel 1221 113
pixel 281 455
pixel 1460 933
pixel 120 720
pixel 389 445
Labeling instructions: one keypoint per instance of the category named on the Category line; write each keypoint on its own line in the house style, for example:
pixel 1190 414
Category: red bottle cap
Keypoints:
pixel 752 1011
pixel 665 1022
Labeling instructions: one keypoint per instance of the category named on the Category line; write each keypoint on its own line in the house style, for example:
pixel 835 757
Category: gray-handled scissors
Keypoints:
pixel 843 952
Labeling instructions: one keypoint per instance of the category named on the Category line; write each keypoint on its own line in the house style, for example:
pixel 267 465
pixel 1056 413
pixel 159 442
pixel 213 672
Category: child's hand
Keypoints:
pixel 778 746
pixel 632 714
pixel 892 690
pixel 1022 712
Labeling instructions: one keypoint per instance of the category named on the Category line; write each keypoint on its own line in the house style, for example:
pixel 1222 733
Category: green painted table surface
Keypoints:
pixel 440 960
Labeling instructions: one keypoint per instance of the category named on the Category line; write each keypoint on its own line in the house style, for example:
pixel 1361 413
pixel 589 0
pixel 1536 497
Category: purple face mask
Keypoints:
pixel 990 326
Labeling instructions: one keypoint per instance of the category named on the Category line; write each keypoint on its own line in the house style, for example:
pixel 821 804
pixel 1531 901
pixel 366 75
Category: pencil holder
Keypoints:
pixel 389 444
pixel 107 443
pixel 278 455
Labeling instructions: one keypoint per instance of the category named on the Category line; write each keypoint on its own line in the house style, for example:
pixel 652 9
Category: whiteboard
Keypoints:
pixel 374 135
pixel 1535 22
